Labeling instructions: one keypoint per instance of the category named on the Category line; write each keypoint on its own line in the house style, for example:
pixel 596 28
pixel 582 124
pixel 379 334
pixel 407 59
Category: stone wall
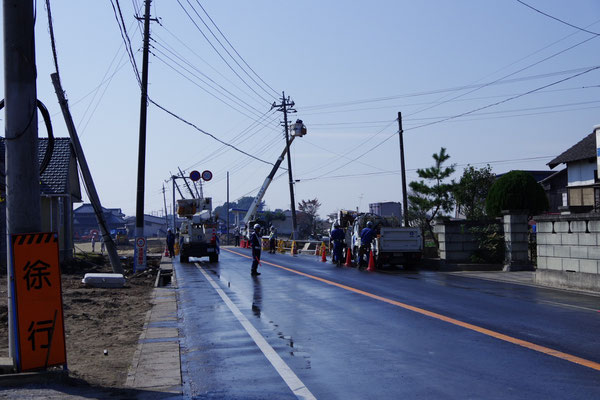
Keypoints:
pixel 568 252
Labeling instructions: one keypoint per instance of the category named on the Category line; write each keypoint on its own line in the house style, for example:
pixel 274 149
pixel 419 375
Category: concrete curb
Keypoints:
pixel 156 364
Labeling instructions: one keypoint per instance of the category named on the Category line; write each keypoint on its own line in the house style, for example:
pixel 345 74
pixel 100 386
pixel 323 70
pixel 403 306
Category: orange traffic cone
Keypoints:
pixel 166 252
pixel 348 258
pixel 371 266
pixel 323 253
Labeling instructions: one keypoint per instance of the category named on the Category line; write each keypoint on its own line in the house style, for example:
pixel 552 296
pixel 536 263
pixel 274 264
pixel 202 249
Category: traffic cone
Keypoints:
pixel 348 258
pixel 166 252
pixel 323 253
pixel 371 266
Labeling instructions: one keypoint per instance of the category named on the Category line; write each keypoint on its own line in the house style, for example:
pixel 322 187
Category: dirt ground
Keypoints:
pixel 98 319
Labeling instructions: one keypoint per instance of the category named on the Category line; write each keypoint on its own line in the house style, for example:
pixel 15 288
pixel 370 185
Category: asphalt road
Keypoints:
pixel 306 329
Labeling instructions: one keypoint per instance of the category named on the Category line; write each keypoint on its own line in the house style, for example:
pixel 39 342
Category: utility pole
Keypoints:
pixel 111 249
pixel 186 182
pixel 227 232
pixel 140 262
pixel 285 107
pixel 174 221
pixel 403 170
pixel 23 206
pixel 166 213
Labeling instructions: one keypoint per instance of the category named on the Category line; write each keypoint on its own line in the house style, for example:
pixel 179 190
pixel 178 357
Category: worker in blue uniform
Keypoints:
pixel 366 238
pixel 337 237
pixel 256 248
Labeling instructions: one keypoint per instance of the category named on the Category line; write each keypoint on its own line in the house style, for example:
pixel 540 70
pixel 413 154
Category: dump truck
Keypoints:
pixel 393 244
pixel 198 232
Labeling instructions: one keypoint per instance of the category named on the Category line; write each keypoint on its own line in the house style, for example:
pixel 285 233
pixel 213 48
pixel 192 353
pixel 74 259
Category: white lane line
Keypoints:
pixel 290 378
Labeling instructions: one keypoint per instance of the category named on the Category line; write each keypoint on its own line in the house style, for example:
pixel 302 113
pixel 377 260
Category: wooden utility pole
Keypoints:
pixel 403 170
pixel 111 249
pixel 139 211
pixel 227 231
pixel 166 211
pixel 186 182
pixel 285 107
pixel 22 172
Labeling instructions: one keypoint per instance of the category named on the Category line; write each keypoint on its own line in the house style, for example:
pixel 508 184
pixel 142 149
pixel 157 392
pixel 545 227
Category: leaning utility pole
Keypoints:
pixel 402 167
pixel 285 107
pixel 140 261
pixel 111 249
pixel 186 183
pixel 22 172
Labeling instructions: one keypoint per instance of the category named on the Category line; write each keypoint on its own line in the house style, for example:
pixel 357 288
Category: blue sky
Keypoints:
pixel 349 66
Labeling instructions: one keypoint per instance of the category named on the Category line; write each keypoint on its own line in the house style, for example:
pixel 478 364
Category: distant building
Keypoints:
pixel 84 220
pixel 153 226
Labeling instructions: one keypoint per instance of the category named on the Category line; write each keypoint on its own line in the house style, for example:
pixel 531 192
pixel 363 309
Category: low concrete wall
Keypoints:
pixel 457 243
pixel 568 252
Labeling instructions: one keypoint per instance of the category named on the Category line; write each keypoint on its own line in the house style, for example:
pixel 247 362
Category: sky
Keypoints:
pixel 491 81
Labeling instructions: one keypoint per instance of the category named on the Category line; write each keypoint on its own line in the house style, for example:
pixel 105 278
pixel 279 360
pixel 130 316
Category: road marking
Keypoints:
pixel 466 325
pixel 290 378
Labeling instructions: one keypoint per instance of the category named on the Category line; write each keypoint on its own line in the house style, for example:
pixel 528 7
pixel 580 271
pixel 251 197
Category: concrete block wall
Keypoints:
pixel 516 241
pixel 457 243
pixel 569 243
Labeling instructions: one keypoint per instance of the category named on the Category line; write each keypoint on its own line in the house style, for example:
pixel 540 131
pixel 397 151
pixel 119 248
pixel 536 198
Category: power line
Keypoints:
pixel 401 106
pixel 215 49
pixel 189 49
pixel 462 114
pixel 443 90
pixel 396 172
pixel 206 133
pixel 236 52
pixel 125 37
pixel 229 97
pixel 180 57
pixel 504 77
pixel 557 19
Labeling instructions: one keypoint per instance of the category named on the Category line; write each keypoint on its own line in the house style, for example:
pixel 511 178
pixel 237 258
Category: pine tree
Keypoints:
pixel 431 195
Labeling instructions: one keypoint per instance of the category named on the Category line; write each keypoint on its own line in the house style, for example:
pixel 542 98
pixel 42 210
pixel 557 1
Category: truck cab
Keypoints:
pixel 198 233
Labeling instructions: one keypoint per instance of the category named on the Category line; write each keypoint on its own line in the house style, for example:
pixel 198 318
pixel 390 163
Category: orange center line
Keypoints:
pixel 488 332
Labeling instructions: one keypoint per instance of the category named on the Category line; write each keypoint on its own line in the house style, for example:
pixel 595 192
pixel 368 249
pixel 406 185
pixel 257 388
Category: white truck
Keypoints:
pixel 393 244
pixel 198 233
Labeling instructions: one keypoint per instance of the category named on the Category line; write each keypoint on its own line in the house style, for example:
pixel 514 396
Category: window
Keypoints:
pixel 581 196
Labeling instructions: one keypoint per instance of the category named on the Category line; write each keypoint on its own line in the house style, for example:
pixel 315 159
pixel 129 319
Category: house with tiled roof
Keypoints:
pixel 59 190
pixel 582 190
pixel 84 220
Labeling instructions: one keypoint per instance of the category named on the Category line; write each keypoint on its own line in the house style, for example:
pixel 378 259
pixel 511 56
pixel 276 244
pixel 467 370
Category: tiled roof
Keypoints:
pixel 584 149
pixel 55 178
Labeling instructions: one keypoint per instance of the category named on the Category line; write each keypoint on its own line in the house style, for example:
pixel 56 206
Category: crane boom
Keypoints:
pixel 261 193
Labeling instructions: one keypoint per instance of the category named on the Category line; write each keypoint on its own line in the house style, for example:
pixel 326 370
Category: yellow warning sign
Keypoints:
pixel 38 301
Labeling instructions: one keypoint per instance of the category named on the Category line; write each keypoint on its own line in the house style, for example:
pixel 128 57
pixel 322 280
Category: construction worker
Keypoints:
pixel 171 242
pixel 236 236
pixel 366 237
pixel 337 236
pixel 272 240
pixel 256 247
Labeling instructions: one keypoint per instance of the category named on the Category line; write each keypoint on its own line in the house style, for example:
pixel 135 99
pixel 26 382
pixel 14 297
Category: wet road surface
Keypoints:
pixel 307 329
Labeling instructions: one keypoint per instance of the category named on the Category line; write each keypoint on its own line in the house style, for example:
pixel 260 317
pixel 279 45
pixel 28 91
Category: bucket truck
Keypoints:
pixel 299 130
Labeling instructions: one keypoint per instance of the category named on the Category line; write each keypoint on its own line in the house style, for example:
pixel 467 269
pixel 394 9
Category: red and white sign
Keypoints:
pixel 140 253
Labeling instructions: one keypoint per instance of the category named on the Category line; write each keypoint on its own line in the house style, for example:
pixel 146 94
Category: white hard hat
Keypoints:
pixel 256 227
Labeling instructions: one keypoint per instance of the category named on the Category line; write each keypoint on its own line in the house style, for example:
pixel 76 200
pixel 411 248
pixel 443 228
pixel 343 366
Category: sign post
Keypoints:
pixel 140 254
pixel 39 324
